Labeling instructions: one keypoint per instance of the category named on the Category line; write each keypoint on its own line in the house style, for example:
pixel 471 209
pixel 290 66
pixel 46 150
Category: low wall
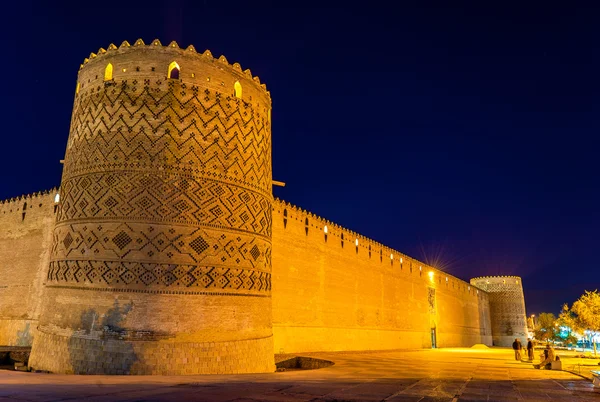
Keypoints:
pixel 331 294
pixel 25 240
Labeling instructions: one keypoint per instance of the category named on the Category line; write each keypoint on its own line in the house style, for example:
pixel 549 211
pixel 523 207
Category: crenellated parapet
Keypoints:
pixel 498 283
pixel 140 62
pixel 335 235
pixel 24 202
pixel 31 196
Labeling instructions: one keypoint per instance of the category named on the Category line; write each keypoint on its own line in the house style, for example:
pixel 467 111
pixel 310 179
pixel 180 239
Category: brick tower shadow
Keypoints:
pixel 98 346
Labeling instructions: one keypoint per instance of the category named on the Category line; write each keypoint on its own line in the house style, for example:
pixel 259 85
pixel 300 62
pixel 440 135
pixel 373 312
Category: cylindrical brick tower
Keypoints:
pixel 507 308
pixel 161 258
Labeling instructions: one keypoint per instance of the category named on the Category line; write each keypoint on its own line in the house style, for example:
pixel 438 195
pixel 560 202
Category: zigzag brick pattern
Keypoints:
pixel 192 163
pixel 162 242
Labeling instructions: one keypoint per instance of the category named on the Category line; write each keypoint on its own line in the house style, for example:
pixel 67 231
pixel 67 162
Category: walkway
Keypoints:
pixel 425 375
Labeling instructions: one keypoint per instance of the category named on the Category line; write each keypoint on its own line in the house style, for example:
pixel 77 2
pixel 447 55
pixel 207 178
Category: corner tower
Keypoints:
pixel 507 307
pixel 161 257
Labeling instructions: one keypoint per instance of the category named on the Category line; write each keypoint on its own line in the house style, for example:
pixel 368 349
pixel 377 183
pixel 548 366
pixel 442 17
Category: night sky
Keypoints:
pixel 464 137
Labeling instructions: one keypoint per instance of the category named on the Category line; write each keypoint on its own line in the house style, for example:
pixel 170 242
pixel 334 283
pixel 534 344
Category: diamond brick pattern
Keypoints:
pixel 171 178
pixel 134 196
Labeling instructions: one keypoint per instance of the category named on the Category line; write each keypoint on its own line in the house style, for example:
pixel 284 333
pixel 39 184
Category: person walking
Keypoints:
pixel 517 348
pixel 530 349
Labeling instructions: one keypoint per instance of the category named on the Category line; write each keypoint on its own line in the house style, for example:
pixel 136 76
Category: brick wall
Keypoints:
pixel 332 297
pixel 507 308
pixel 325 297
pixel 168 255
pixel 25 237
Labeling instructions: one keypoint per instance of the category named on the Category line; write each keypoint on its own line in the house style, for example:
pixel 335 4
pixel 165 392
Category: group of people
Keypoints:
pixel 546 359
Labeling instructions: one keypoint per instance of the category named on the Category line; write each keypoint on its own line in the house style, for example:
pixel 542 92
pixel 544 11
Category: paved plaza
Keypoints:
pixel 423 375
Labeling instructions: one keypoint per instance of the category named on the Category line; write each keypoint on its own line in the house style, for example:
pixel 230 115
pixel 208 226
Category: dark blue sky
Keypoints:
pixel 463 136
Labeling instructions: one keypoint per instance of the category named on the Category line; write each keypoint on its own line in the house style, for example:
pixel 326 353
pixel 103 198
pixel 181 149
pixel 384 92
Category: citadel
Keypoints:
pixel 163 250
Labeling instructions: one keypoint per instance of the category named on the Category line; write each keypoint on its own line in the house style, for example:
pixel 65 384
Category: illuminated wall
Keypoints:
pixel 507 308
pixel 325 296
pixel 25 237
pixel 161 252
pixel 167 254
pixel 331 294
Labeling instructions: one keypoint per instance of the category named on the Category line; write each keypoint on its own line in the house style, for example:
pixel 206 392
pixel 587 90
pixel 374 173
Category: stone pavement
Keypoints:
pixel 582 366
pixel 424 375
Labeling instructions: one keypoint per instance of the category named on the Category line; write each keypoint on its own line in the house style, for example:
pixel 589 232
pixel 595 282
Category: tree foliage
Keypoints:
pixel 545 329
pixel 568 318
pixel 584 314
pixel 587 308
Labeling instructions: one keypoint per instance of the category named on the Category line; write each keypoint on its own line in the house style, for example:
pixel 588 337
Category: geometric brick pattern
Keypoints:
pixel 507 307
pixel 143 276
pixel 169 127
pixel 164 199
pixel 160 243
pixel 161 173
pixel 163 255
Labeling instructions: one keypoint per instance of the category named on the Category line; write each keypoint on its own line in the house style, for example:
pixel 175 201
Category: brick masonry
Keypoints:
pixel 507 306
pixel 334 289
pixel 168 255
pixel 78 355
pixel 163 233
pixel 25 237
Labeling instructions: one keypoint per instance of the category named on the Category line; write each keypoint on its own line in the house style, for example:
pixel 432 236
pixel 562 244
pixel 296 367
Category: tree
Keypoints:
pixel 546 327
pixel 587 309
pixel 569 339
pixel 570 320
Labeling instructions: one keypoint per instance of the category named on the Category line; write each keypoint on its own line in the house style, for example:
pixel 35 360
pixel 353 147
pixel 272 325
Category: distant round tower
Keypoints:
pixel 161 258
pixel 507 308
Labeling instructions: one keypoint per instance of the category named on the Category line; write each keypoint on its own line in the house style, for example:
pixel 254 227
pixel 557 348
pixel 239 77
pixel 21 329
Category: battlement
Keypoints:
pixel 367 246
pixel 174 53
pixel 17 201
pixel 495 277
pixel 496 281
pixel 333 229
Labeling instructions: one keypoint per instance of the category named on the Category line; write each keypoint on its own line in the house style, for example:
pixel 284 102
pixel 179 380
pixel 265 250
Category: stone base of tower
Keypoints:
pixel 79 355
pixel 507 341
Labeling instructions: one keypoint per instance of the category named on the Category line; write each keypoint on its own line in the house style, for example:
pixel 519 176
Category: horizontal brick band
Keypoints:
pixel 158 278
pixel 162 292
